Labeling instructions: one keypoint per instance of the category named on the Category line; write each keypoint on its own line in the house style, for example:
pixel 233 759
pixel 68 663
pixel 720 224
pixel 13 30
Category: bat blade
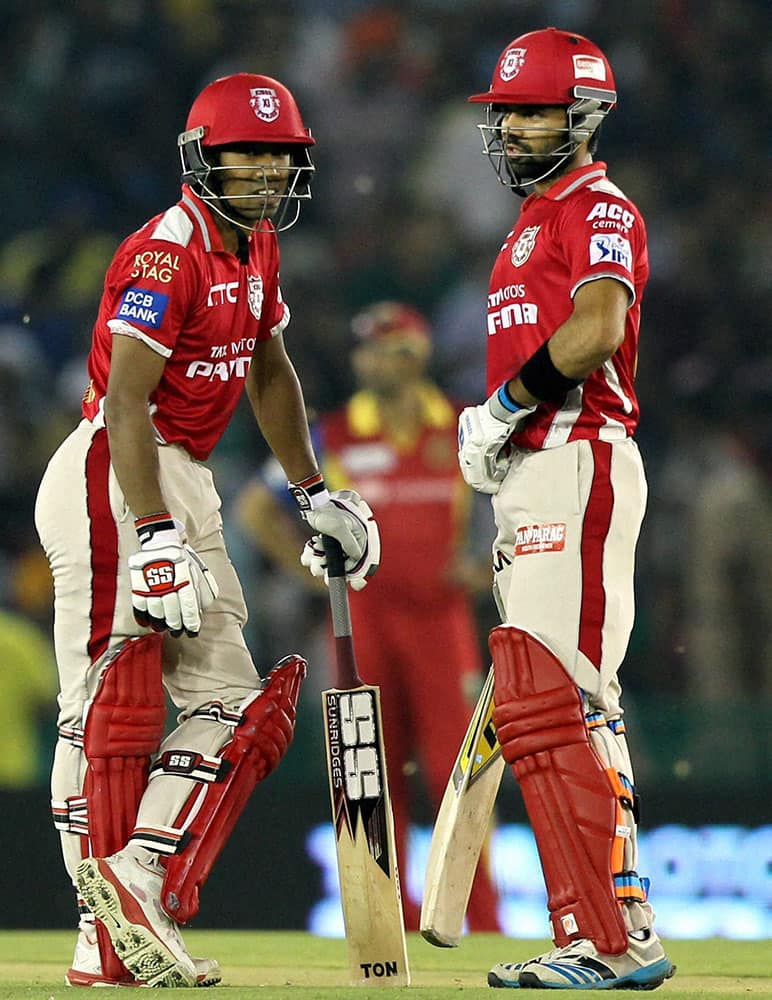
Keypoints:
pixel 362 816
pixel 461 826
pixel 364 837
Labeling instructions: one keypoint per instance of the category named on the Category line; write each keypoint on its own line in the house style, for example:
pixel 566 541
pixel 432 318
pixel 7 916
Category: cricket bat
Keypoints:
pixel 361 806
pixel 461 826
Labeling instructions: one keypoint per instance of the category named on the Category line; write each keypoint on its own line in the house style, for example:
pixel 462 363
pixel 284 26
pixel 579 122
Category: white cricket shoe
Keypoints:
pixel 86 968
pixel 579 966
pixel 125 896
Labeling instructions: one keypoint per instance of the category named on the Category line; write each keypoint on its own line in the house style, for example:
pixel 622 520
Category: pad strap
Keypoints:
pixel 165 840
pixel 71 815
pixel 71 734
pixel 631 888
pixel 190 764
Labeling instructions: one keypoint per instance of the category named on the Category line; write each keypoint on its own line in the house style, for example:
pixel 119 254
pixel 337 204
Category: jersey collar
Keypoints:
pixel 571 182
pixel 201 216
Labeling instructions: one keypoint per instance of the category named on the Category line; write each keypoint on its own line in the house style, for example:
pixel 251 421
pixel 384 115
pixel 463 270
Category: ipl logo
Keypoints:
pixel 511 64
pixel 264 103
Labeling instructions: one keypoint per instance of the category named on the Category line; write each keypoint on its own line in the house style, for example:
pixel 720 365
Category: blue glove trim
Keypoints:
pixel 506 400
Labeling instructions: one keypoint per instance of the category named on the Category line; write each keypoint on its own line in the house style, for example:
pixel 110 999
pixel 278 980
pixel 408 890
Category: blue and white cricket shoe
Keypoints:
pixel 579 966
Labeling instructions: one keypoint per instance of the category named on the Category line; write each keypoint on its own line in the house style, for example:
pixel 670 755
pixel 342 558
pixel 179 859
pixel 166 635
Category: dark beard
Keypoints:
pixel 527 169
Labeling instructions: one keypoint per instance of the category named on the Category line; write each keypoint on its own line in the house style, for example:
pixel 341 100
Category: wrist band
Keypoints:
pixel 503 407
pixel 542 379
pixel 506 400
pixel 310 493
pixel 148 525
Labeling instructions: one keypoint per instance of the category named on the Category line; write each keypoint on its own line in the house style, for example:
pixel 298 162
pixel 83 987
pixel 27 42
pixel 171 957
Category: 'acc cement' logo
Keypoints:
pixel 512 62
pixel 264 103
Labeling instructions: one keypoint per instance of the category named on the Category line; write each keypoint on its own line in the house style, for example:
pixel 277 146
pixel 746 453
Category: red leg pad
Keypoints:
pixel 539 718
pixel 124 728
pixel 259 742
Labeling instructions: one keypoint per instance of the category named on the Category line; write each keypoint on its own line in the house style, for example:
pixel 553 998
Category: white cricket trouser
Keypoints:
pixel 568 521
pixel 88 534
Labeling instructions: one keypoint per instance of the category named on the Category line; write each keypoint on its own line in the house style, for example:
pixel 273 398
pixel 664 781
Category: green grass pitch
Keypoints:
pixel 262 965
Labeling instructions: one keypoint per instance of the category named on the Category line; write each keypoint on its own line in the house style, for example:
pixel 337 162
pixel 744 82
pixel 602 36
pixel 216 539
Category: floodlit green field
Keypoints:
pixel 263 965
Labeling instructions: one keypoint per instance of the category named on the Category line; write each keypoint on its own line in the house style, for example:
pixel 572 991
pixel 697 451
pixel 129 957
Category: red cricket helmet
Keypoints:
pixel 548 67
pixel 245 108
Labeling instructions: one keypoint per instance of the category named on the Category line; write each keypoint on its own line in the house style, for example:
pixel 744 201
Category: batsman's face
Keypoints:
pixel 255 181
pixel 531 133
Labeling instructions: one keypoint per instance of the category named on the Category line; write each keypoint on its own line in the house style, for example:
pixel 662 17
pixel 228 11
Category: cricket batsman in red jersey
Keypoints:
pixel 553 444
pixel 145 594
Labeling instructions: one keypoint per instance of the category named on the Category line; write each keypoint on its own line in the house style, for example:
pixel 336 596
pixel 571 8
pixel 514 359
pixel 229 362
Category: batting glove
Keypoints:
pixel 483 433
pixel 344 515
pixel 170 583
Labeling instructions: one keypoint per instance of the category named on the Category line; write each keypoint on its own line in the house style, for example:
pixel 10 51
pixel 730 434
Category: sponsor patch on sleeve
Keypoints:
pixel 140 305
pixel 540 538
pixel 611 248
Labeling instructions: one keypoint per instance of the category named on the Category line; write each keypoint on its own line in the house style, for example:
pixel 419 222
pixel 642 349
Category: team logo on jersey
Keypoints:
pixel 523 248
pixel 611 248
pixel 255 295
pixel 264 103
pixel 512 62
pixel 540 538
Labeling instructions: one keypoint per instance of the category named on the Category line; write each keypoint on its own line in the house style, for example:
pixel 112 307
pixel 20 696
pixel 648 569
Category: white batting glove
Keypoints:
pixel 343 515
pixel 483 432
pixel 170 583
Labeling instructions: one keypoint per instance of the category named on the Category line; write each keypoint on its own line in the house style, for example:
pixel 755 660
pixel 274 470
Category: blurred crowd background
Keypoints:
pixel 93 95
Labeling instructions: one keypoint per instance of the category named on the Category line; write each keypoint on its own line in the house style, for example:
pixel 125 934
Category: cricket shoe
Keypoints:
pixel 579 966
pixel 125 897
pixel 86 968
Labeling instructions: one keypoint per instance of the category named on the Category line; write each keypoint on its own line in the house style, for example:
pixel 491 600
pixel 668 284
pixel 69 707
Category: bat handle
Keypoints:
pixel 348 675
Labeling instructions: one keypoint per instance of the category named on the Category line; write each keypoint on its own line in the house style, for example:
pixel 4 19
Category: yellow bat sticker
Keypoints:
pixel 481 746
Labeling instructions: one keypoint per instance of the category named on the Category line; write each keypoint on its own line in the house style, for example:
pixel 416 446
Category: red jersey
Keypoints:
pixel 582 228
pixel 414 488
pixel 173 286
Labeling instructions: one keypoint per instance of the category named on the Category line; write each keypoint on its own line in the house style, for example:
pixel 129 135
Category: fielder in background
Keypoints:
pixel 127 511
pixel 395 439
pixel 553 445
